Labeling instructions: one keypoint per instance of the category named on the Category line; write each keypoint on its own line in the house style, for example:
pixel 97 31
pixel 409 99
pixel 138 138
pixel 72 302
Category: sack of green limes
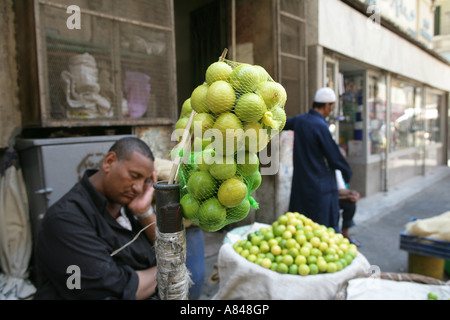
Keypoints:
pixel 234 115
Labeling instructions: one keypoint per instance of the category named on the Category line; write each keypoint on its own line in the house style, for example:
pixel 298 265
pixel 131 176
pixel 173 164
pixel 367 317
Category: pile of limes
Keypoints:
pixel 294 244
pixel 238 110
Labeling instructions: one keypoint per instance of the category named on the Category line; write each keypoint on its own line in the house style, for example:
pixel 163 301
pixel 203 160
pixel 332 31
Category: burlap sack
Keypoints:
pixel 244 280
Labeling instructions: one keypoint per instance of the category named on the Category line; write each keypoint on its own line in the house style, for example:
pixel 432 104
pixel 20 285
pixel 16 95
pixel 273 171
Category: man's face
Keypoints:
pixel 329 107
pixel 126 179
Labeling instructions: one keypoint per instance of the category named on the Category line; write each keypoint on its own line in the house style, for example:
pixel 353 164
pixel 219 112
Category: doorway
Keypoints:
pixel 201 29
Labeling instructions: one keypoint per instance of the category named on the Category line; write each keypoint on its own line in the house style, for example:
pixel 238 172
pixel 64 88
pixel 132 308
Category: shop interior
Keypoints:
pixel 387 140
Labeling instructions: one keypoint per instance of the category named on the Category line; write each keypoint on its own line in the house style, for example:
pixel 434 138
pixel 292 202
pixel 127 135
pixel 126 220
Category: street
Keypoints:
pixel 380 236
pixel 381 220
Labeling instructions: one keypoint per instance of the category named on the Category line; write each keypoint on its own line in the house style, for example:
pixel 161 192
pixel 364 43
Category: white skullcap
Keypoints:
pixel 325 95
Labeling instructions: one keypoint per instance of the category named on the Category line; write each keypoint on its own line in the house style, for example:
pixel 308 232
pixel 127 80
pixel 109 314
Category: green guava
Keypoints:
pixel 245 78
pixel 190 207
pixel 231 192
pixel 247 163
pixel 273 94
pixel 250 107
pixel 220 97
pixel 239 212
pixel 198 99
pixel 274 120
pixel 228 135
pixel 255 137
pixel 204 159
pixel 224 170
pixel 218 71
pixel 212 215
pixel 186 109
pixel 254 182
pixel 202 185
pixel 204 120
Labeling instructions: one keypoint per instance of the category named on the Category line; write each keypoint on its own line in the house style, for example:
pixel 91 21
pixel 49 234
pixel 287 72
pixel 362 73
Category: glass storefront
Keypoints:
pixel 433 115
pixel 406 132
pixel 352 126
pixel 406 115
pixel 433 133
pixel 331 82
pixel 391 127
pixel 377 108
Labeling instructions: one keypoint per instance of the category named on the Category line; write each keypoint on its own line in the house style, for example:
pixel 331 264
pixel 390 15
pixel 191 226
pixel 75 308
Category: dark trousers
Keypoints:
pixel 348 211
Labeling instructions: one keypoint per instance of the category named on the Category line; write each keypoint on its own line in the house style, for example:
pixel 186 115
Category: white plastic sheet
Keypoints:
pixel 382 289
pixel 15 233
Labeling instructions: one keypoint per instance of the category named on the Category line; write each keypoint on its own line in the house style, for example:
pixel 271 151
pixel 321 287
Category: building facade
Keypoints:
pixel 441 41
pixel 392 113
pixel 379 56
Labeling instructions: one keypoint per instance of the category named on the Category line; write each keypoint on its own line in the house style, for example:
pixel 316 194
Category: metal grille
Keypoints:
pixel 292 52
pixel 118 68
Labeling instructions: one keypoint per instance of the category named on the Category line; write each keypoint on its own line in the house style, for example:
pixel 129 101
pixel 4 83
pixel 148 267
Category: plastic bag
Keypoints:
pixel 437 227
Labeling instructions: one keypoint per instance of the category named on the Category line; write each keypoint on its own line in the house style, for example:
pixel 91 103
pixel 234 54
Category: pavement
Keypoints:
pixel 379 221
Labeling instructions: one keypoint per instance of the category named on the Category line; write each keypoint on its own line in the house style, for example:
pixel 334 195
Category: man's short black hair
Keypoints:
pixel 318 105
pixel 124 147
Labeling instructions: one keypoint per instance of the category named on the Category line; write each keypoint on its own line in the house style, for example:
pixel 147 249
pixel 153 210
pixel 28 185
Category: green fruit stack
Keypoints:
pixel 294 244
pixel 236 112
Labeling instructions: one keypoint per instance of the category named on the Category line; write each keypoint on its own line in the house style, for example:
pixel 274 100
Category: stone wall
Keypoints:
pixel 10 117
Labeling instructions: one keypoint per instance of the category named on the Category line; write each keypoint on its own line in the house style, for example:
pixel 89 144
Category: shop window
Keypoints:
pixel 352 127
pixel 406 125
pixel 331 82
pixel 434 103
pixel 377 125
pixel 433 111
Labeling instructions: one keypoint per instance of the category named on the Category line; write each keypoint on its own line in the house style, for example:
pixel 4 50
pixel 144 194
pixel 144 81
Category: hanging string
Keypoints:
pixel 133 240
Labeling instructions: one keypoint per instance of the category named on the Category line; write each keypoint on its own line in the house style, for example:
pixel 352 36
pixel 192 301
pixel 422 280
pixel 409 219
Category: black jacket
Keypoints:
pixel 78 231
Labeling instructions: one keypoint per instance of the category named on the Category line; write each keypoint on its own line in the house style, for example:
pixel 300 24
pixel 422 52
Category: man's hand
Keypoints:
pixel 141 204
pixel 349 195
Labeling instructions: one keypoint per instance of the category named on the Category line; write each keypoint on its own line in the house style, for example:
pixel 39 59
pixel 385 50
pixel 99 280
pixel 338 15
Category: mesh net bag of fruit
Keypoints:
pixel 233 116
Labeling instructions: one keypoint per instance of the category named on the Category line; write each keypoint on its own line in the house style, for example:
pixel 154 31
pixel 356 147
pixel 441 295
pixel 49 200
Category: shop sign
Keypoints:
pixel 411 16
